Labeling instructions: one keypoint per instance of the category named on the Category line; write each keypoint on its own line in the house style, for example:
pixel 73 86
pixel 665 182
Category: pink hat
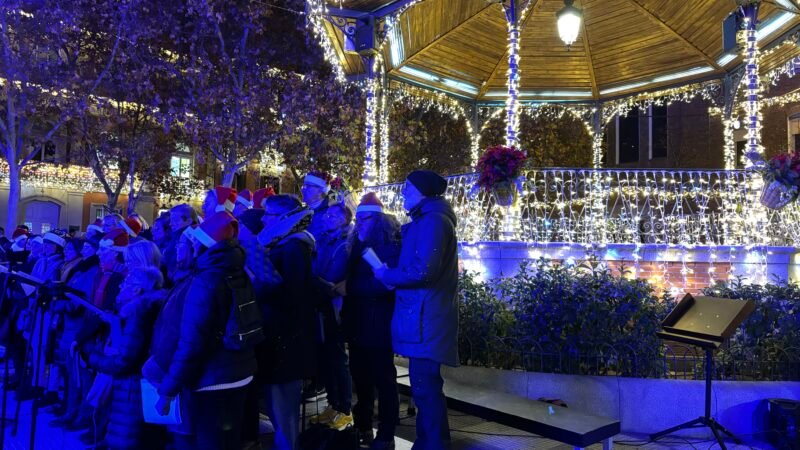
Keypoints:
pixel 132 226
pixel 116 239
pixel 245 197
pixel 370 203
pixel 219 227
pixel 260 195
pixel 226 198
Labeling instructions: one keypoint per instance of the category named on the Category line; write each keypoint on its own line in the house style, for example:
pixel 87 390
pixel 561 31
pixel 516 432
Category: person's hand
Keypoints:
pixel 162 405
pixel 380 272
pixel 340 288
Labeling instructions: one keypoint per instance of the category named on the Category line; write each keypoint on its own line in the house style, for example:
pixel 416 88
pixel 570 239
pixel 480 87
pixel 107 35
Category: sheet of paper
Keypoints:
pixel 150 398
pixel 371 258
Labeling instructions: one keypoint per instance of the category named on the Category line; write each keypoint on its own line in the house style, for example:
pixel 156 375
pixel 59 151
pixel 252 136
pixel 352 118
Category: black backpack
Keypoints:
pixel 243 329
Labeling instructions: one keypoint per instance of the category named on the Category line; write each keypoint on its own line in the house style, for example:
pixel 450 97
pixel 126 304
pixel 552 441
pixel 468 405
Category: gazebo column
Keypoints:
pixel 370 170
pixel 754 152
pixel 598 133
pixel 730 115
pixel 512 82
pixel 383 153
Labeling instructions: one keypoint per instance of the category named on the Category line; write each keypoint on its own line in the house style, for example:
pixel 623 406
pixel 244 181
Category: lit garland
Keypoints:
pixel 418 97
pixel 710 91
pixel 316 12
pixel 369 132
pixel 54 176
pixel 512 102
pixel 383 174
pixel 753 89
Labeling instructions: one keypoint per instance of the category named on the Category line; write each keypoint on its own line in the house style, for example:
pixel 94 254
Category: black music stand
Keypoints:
pixel 705 322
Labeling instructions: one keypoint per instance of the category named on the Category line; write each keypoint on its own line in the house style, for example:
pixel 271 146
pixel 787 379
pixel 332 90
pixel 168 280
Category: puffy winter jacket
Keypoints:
pixel 200 359
pixel 425 322
pixel 369 304
pixel 287 354
pixel 126 422
pixel 167 331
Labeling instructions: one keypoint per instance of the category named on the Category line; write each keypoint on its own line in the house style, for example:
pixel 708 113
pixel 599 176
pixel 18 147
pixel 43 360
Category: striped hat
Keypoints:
pixel 370 203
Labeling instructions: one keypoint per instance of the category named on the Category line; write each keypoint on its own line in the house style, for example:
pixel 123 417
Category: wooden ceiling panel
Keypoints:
pixel 360 5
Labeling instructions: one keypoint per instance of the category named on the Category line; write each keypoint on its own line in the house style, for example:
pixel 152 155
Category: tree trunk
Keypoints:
pixel 14 193
pixel 132 199
pixel 112 202
pixel 228 173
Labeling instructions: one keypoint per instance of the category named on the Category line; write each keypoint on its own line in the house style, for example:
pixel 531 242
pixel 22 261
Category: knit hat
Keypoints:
pixel 427 182
pixel 245 197
pixel 54 238
pixel 132 226
pixel 260 195
pixel 97 226
pixel 116 239
pixel 320 179
pixel 370 203
pixel 219 227
pixel 251 219
pixel 226 198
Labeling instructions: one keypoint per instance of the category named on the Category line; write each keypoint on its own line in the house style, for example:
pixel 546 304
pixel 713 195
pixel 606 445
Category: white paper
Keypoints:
pixel 371 258
pixel 149 398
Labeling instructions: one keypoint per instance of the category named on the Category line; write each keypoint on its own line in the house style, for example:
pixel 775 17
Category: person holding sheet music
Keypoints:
pixel 366 321
pixel 139 301
pixel 425 321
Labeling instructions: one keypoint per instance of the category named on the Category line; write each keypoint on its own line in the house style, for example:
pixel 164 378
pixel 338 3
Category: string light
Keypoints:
pixel 383 174
pixel 369 132
pixel 753 89
pixel 56 176
pixel 316 13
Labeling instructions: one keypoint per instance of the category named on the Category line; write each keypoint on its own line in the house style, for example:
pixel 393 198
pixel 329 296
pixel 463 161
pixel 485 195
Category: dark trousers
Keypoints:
pixel 433 429
pixel 373 369
pixel 334 371
pixel 216 418
pixel 283 407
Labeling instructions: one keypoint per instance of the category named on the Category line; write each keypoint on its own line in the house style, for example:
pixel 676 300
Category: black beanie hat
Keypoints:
pixel 251 219
pixel 428 182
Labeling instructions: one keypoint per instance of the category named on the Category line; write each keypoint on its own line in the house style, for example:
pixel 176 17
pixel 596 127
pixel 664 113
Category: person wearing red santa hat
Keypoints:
pixel 95 231
pixel 316 186
pixel 131 226
pixel 211 377
pixel 260 196
pixel 244 201
pixel 221 198
pixel 366 322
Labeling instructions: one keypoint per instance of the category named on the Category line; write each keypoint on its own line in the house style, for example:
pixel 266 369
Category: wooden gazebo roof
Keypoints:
pixel 625 46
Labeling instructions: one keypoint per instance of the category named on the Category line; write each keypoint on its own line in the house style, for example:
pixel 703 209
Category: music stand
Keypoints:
pixel 705 322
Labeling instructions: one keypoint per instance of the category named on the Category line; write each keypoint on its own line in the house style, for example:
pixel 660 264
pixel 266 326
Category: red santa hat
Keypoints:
pixel 260 195
pixel 97 226
pixel 217 228
pixel 226 198
pixel 132 226
pixel 116 239
pixel 54 238
pixel 370 203
pixel 320 179
pixel 18 238
pixel 245 198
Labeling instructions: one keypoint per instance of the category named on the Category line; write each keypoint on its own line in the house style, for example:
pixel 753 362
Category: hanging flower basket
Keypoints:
pixel 498 172
pixel 505 193
pixel 781 180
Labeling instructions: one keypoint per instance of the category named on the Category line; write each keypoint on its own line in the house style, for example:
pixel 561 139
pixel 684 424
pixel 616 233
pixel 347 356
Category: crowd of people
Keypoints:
pixel 216 321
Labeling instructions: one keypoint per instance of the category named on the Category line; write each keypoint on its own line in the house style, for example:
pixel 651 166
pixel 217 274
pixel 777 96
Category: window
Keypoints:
pixel 628 137
pixel 658 132
pixel 45 227
pixel 181 166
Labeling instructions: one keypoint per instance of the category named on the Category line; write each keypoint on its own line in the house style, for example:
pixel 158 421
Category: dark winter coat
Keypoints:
pixel 167 331
pixel 200 359
pixel 93 328
pixel 425 322
pixel 126 421
pixel 289 316
pixel 369 304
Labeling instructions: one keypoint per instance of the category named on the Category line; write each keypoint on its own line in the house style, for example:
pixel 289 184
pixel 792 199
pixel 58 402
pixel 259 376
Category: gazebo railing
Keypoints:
pixel 624 206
